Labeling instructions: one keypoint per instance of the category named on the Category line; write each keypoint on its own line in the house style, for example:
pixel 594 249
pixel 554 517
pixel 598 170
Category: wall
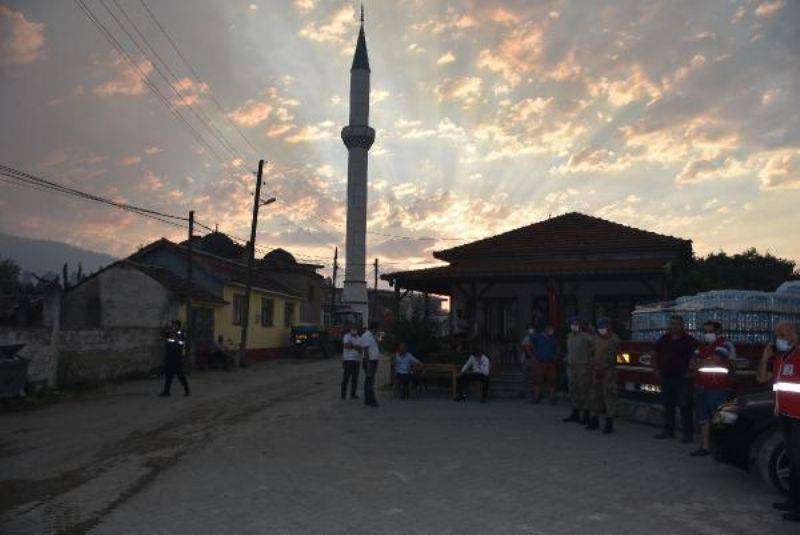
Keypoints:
pixel 129 298
pixel 258 336
pixel 310 311
pixel 76 304
pixel 90 357
pixel 39 349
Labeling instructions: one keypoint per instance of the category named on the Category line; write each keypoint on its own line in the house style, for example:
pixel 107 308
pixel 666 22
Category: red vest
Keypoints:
pixel 787 384
pixel 711 375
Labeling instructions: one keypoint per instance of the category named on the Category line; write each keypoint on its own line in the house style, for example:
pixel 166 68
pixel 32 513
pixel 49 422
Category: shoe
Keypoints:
pixel 664 434
pixel 700 452
pixel 783 506
pixel 164 395
pixel 609 427
pixel 792 516
pixel 572 417
pixel 594 423
pixel 687 440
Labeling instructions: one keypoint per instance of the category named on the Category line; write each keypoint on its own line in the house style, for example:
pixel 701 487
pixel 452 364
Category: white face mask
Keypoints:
pixel 531 331
pixel 710 338
pixel 603 331
pixel 574 328
pixel 783 345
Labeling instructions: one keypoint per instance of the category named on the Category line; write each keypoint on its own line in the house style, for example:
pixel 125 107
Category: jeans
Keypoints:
pixel 406 381
pixel 790 428
pixel 349 373
pixel 676 391
pixel 370 369
pixel 174 368
pixel 706 401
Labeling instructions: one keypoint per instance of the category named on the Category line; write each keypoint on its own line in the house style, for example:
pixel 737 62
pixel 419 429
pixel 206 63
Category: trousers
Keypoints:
pixel 468 378
pixel 604 392
pixel 580 385
pixel 174 368
pixel 349 374
pixel 677 392
pixel 370 370
pixel 790 427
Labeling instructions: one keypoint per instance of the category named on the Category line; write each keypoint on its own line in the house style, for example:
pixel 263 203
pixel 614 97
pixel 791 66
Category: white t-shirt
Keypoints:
pixel 477 364
pixel 369 343
pixel 350 354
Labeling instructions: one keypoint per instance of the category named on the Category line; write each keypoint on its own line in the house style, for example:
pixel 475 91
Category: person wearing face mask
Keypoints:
pixel 526 362
pixel 604 376
pixel 671 356
pixel 544 365
pixel 784 357
pixel 351 349
pixel 580 346
pixel 714 363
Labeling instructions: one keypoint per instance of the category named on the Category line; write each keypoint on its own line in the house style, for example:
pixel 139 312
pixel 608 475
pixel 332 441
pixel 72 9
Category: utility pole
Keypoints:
pixel 333 285
pixel 189 331
pixel 374 313
pixel 250 254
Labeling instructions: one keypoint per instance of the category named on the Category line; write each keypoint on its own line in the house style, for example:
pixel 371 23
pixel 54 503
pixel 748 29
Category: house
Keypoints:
pixel 273 309
pixel 382 305
pixel 573 264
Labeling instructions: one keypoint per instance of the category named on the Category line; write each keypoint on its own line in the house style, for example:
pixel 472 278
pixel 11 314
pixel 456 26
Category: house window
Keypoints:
pixel 288 314
pixel 238 309
pixel 310 293
pixel 267 312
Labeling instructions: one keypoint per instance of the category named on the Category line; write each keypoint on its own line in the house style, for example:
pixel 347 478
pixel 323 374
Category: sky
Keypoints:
pixel 680 117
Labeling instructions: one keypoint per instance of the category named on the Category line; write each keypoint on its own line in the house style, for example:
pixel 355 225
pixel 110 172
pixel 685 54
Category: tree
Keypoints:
pixel 417 334
pixel 9 276
pixel 749 270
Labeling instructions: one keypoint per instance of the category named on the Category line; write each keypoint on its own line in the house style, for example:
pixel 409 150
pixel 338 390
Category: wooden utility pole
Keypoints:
pixel 373 315
pixel 251 246
pixel 189 331
pixel 331 320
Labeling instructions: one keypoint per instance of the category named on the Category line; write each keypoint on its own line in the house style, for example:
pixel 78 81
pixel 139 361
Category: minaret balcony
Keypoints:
pixel 358 136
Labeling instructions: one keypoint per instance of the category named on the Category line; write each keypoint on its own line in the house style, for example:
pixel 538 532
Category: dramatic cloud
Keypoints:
pixel 21 41
pixel 128 79
pixel 337 29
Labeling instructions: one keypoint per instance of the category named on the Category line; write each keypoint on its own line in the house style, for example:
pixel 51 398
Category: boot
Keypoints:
pixel 594 423
pixel 609 427
pixel 572 417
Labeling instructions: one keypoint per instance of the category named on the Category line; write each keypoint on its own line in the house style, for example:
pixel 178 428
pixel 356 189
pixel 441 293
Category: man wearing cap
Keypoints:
pixel 713 363
pixel 784 355
pixel 604 376
pixel 580 346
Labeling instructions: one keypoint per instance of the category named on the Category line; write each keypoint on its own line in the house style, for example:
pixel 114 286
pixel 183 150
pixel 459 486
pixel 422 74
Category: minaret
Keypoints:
pixel 358 137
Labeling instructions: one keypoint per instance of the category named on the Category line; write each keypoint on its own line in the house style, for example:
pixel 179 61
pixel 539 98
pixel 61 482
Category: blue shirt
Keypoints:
pixel 403 364
pixel 544 347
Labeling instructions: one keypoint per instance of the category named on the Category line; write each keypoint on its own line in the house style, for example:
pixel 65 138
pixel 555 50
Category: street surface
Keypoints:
pixel 271 449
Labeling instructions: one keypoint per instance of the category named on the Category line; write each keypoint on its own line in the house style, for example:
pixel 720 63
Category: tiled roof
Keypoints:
pixel 175 283
pixel 568 234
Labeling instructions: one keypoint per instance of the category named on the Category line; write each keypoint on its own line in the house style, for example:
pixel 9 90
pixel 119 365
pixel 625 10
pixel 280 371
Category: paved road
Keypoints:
pixel 271 449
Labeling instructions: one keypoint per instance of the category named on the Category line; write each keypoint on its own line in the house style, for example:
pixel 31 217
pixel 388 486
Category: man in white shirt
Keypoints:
pixel 475 369
pixel 372 353
pixel 351 349
pixel 404 363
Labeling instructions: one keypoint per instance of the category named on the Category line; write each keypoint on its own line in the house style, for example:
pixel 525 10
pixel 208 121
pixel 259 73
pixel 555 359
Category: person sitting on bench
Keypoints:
pixel 404 369
pixel 475 369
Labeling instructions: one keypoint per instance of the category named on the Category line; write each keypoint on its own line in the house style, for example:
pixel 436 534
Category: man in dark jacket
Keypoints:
pixel 671 356
pixel 173 361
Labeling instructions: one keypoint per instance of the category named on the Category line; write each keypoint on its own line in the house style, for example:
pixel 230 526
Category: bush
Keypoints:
pixel 417 334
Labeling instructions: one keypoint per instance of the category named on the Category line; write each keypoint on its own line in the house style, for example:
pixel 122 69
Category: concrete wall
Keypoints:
pixel 91 357
pixel 129 298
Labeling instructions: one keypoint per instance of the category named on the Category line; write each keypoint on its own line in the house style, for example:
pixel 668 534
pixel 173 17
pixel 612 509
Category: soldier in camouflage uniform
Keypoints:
pixel 580 346
pixel 604 376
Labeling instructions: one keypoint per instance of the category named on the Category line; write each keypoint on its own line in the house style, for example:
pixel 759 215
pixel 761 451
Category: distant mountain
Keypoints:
pixel 44 256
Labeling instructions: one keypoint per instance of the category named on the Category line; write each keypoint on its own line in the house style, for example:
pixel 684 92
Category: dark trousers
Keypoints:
pixel 171 370
pixel 370 369
pixel 350 373
pixel 791 439
pixel 406 382
pixel 467 378
pixel 677 391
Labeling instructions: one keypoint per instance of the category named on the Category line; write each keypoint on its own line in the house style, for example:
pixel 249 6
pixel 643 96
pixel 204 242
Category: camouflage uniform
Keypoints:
pixel 604 375
pixel 580 347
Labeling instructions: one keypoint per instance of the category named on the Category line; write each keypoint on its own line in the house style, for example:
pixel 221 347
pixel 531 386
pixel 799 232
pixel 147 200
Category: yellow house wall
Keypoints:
pixel 258 336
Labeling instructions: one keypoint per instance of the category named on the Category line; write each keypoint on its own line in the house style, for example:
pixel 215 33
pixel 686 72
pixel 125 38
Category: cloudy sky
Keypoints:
pixel 681 117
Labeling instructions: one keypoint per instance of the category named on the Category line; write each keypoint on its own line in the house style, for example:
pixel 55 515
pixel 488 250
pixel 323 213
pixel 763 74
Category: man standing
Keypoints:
pixel 526 362
pixel 544 365
pixel 714 363
pixel 475 369
pixel 371 355
pixel 604 376
pixel 671 355
pixel 351 347
pixel 580 346
pixel 785 374
pixel 173 361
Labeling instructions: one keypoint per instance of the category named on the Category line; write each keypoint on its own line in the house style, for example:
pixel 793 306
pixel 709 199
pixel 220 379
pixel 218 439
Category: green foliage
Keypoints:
pixel 749 270
pixel 9 277
pixel 417 334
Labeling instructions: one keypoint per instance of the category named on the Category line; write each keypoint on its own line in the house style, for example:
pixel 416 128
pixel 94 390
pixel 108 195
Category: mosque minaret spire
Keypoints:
pixel 358 137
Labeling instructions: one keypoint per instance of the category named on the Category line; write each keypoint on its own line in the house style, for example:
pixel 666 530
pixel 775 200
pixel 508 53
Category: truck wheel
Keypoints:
pixel 772 461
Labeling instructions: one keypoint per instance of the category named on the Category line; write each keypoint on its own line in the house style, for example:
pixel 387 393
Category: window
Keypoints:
pixel 238 309
pixel 310 293
pixel 288 314
pixel 267 312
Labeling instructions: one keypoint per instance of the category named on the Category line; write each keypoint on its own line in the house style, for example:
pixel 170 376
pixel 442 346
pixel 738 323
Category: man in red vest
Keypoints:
pixel 713 363
pixel 785 375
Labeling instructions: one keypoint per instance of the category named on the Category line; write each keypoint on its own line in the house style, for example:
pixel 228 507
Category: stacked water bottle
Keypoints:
pixel 748 317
